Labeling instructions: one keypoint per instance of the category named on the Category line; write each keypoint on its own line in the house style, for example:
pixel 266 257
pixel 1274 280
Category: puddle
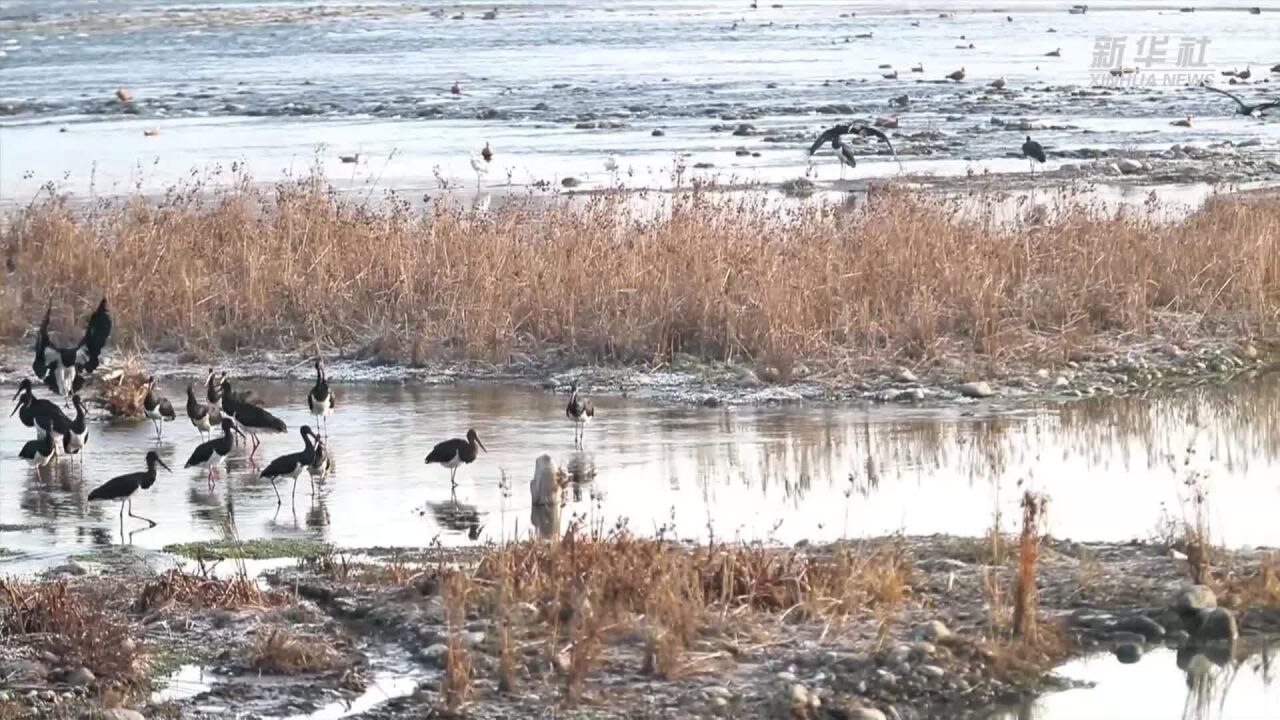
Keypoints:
pixel 186 682
pixel 384 686
pixel 1164 684
pixel 1111 467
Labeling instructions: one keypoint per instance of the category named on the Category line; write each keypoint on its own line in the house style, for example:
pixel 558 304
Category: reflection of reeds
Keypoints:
pixel 1025 594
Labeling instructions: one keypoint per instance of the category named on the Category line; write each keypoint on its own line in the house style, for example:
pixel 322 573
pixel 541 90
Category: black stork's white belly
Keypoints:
pixel 320 407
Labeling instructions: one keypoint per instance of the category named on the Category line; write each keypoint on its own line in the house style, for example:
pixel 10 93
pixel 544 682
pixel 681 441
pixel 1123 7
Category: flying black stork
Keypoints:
pixel 40 414
pixel 293 464
pixel 455 452
pixel 835 135
pixel 157 407
pixel 122 487
pixel 320 400
pixel 198 413
pixel 211 453
pixel 77 436
pixel 580 411
pixel 1245 108
pixel 1034 152
pixel 249 416
pixel 39 452
pixel 64 370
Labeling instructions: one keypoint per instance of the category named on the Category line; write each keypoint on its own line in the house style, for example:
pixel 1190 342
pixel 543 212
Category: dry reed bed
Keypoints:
pixel 908 277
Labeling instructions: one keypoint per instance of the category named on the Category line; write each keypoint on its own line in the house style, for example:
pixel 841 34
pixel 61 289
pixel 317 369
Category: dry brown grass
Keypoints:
pixel 176 587
pixel 53 617
pixel 1026 592
pixel 283 651
pixel 910 277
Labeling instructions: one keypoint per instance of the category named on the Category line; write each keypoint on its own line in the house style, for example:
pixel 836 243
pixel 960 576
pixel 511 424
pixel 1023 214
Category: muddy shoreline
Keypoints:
pixel 1117 368
pixel 383 616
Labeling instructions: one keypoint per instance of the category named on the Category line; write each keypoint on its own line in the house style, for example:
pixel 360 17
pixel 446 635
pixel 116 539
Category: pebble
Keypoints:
pixel 1128 637
pixel 80 677
pixel 864 713
pixel 114 714
pixel 718 691
pixel 570 182
pixel 906 376
pixel 658 133
pixel 1062 382
pixel 1127 165
pixel 933 631
pixel 70 569
pixel 931 671
pixel 434 653
pixel 978 389
pixel 1142 625
pixel 1194 598
pixel 897 655
pixel 1128 653
pixel 472 639
pixel 788 677
pixel 923 649
pixel 1216 624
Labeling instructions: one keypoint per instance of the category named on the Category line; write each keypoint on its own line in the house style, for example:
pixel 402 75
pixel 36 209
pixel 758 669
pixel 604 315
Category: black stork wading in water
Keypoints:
pixel 33 412
pixel 293 465
pixel 77 436
pixel 198 413
pixel 455 452
pixel 320 400
pixel 249 416
pixel 64 370
pixel 1245 108
pixel 580 411
pixel 1034 153
pixel 835 136
pixel 157 408
pixel 39 452
pixel 122 487
pixel 211 453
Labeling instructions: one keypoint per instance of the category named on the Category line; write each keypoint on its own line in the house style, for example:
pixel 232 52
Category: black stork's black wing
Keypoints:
pixel 285 465
pixel 827 136
pixel 117 487
pixel 96 333
pixel 446 451
pixel 1230 95
pixel 40 365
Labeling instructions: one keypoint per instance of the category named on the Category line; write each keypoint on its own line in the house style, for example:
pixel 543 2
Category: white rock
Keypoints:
pixel 906 376
pixel 933 631
pixel 978 389
pixel 1128 165
pixel 931 671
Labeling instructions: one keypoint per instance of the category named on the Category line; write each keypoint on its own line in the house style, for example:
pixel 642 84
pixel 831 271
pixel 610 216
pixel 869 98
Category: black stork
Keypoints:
pixel 248 415
pixel 122 487
pixel 64 370
pixel 834 134
pixel 1245 108
pixel 211 453
pixel 198 413
pixel 40 414
pixel 39 452
pixel 78 436
pixel 1034 152
pixel 320 400
pixel 293 464
pixel 455 452
pixel 580 411
pixel 157 407
pixel 213 397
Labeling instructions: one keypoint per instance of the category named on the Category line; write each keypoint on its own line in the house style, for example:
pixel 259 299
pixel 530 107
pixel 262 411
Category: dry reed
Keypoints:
pixel 909 277
pixel 283 651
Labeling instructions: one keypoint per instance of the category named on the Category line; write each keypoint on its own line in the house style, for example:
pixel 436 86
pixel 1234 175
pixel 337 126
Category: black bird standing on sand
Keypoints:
pixel 581 412
pixel 123 487
pixel 455 452
pixel 1034 151
pixel 293 464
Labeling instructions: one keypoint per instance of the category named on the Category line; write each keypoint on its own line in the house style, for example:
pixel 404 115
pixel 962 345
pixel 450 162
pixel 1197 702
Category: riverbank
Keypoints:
pixel 899 626
pixel 905 298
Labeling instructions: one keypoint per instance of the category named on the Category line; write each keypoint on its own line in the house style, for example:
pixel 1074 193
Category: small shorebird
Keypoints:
pixel 1054 53
pixel 157 407
pixel 456 89
pixel 917 68
pixel 320 401
pixel 998 83
pixel 1184 122
pixel 957 76
pixel 1034 152
pixel 890 76
pixel 122 487
pixel 455 452
pixel 293 465
pixel 580 411
pixel 211 453
pixel 486 153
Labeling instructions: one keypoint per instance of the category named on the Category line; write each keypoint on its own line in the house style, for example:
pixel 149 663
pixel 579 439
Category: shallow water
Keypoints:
pixel 277 87
pixel 1112 468
pixel 1164 684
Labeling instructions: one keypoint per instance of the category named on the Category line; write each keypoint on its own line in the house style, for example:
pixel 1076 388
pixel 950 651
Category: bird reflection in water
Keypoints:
pixel 580 472
pixel 457 516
